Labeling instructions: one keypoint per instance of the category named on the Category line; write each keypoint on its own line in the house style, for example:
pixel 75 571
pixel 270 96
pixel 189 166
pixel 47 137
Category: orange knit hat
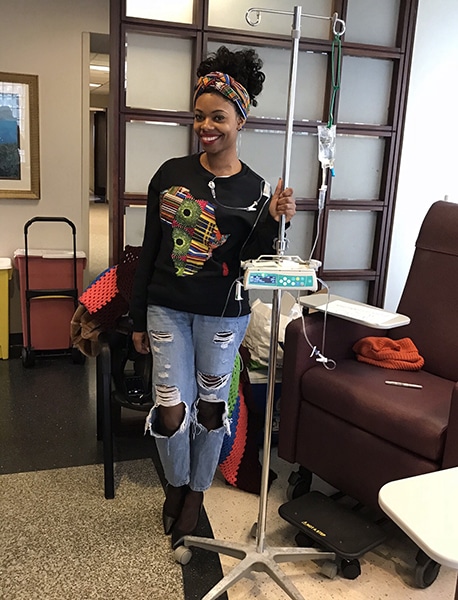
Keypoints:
pixel 390 354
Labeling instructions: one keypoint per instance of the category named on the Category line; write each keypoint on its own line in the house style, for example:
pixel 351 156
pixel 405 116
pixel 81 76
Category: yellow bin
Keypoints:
pixel 6 271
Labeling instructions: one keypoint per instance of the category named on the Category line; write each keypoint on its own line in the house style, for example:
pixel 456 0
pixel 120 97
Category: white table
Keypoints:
pixel 351 310
pixel 426 508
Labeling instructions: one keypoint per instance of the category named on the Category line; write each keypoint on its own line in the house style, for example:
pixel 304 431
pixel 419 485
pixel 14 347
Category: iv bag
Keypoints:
pixel 326 145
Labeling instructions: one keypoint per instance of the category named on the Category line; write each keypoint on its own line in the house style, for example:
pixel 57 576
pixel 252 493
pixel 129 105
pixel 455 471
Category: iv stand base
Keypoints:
pixel 265 561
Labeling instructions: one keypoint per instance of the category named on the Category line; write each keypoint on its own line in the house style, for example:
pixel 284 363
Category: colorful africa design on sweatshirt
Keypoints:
pixel 195 233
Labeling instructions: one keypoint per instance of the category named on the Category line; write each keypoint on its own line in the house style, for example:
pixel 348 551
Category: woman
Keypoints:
pixel 205 213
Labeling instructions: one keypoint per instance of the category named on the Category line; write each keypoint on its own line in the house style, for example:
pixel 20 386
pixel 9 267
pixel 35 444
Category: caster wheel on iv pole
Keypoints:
pixel 183 555
pixel 254 530
pixel 329 569
pixel 349 569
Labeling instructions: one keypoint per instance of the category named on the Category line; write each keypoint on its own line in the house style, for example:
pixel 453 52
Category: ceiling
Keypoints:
pixel 99 57
pixel 99 73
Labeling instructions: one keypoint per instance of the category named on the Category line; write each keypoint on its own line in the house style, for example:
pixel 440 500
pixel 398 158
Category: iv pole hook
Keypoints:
pixel 335 20
pixel 249 20
pixel 338 25
pixel 258 12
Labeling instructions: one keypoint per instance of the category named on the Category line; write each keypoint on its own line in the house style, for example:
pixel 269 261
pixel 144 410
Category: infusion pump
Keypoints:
pixel 280 272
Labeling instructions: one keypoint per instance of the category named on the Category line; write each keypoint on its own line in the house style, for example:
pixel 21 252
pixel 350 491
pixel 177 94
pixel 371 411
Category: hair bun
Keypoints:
pixel 243 65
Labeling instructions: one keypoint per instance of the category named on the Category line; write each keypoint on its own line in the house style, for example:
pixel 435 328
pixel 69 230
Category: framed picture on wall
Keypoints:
pixel 19 136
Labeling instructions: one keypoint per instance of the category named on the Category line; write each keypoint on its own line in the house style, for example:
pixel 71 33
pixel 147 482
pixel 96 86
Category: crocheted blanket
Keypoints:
pixel 239 459
pixel 107 297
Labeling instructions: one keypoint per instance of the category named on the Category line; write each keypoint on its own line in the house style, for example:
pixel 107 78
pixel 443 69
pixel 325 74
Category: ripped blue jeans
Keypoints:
pixel 193 358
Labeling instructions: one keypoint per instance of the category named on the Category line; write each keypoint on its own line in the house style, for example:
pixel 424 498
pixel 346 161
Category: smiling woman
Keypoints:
pixel 216 124
pixel 227 87
pixel 206 212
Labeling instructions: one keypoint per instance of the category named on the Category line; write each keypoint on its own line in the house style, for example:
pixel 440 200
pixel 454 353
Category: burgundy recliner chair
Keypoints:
pixel 350 428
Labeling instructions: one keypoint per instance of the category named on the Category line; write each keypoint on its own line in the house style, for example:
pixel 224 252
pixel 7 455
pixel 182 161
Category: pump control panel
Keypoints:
pixel 279 273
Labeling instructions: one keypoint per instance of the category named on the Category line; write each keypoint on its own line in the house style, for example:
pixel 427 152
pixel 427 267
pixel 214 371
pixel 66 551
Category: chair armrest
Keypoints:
pixel 340 337
pixel 451 441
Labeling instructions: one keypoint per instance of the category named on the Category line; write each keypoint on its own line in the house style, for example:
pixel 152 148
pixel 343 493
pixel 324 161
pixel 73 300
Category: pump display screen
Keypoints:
pixel 263 278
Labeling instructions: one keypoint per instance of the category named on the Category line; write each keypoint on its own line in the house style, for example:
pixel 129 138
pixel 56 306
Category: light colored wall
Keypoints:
pixel 429 155
pixel 46 38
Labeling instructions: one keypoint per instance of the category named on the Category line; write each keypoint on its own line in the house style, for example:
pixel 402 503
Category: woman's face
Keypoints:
pixel 216 123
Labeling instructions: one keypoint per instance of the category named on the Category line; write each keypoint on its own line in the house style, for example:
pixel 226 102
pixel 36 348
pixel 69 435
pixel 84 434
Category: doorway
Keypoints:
pixel 99 218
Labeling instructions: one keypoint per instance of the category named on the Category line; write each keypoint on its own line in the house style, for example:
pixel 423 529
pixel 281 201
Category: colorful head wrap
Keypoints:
pixel 228 87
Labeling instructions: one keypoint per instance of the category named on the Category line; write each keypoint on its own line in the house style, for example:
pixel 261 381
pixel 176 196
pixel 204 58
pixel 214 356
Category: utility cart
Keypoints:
pixel 51 282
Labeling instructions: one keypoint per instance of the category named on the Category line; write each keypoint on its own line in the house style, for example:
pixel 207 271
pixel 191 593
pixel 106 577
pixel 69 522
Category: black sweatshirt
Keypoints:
pixel 188 263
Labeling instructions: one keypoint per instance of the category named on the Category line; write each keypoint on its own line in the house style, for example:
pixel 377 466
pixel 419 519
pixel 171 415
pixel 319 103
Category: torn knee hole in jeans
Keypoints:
pixel 224 338
pixel 203 421
pixel 150 423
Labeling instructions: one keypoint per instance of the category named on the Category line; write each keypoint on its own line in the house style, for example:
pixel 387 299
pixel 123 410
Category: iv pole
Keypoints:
pixel 260 557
